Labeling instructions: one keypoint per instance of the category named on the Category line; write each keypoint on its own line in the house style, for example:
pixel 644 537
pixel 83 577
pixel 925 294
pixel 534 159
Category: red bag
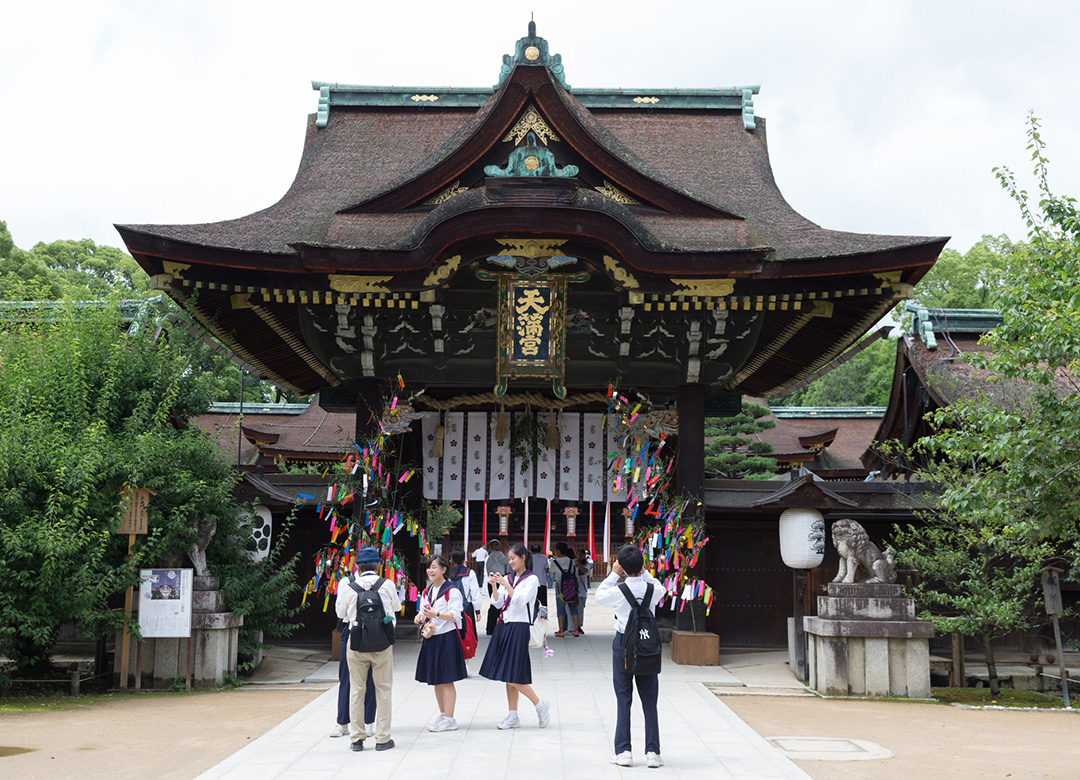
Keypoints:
pixel 468 635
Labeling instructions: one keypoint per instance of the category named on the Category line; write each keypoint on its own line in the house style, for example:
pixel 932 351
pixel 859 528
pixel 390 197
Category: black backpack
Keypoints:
pixel 639 652
pixel 374 629
pixel 458 582
pixel 567 584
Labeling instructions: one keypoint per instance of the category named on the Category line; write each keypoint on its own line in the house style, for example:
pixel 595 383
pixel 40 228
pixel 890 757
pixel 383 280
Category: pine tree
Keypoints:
pixel 732 450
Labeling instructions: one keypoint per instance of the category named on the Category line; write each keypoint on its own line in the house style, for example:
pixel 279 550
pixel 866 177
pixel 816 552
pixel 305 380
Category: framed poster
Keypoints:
pixel 165 602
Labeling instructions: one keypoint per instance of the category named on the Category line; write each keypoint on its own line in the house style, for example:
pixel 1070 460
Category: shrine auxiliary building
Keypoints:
pixel 522 247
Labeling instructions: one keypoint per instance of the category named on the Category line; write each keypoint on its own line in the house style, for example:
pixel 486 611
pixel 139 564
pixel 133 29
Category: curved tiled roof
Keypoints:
pixel 694 199
pixel 362 153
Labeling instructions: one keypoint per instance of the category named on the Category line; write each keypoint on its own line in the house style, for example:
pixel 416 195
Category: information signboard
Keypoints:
pixel 165 602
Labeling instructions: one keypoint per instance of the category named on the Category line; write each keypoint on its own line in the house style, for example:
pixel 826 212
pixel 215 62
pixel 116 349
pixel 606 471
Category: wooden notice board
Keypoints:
pixel 134 520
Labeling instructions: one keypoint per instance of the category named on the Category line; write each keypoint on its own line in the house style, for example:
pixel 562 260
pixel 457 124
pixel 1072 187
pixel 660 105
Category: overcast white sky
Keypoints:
pixel 884 117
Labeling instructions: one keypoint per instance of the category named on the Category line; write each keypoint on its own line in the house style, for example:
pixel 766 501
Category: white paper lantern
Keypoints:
pixel 802 538
pixel 261 522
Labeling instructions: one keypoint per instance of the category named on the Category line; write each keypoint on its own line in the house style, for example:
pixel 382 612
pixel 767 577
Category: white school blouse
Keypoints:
pixel 522 603
pixel 608 594
pixel 450 602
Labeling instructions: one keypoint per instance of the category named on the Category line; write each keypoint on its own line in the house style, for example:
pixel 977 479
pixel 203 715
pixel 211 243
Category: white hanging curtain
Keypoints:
pixel 476 466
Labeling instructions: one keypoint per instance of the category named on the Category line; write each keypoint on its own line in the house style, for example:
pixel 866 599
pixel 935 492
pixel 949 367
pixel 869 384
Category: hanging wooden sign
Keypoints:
pixel 532 331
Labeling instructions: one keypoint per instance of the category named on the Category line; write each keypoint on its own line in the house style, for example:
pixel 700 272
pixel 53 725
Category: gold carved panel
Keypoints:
pixel 711 287
pixel 347 283
pixel 531 121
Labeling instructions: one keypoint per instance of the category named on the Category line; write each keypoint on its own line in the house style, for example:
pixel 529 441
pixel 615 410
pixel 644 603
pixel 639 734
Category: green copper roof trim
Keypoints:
pixel 131 310
pixel 827 412
pixel 532 50
pixel 748 109
pixel 532 159
pixel 333 95
pixel 233 407
pixel 322 115
pixel 434 97
pixel 927 322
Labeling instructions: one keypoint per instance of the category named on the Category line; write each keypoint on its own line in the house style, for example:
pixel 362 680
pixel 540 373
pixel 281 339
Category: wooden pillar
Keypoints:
pixel 691 469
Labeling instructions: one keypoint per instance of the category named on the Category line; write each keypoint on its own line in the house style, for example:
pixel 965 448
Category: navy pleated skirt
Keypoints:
pixel 507 656
pixel 441 660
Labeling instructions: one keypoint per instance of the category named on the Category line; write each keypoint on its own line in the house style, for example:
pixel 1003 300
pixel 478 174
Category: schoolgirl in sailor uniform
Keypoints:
pixel 507 656
pixel 441 662
pixel 464 579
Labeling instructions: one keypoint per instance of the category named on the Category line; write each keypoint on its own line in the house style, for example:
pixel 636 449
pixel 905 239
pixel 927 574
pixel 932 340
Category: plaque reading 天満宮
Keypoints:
pixel 532 336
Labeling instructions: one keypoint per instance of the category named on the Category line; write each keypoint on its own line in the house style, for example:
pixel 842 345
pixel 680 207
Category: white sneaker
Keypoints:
pixel 435 723
pixel 446 724
pixel 511 721
pixel 340 730
pixel 654 760
pixel 369 729
pixel 625 758
pixel 543 712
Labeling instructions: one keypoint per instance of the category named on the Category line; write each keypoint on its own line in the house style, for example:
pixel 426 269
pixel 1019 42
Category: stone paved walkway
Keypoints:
pixel 700 736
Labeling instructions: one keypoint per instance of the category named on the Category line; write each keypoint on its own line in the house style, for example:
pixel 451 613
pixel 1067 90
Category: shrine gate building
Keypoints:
pixel 514 250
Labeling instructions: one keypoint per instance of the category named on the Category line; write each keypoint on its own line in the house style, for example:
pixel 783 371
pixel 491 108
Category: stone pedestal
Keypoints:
pixel 214 643
pixel 865 641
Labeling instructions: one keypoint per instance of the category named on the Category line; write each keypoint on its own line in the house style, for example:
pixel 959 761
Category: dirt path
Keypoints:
pixel 163 736
pixel 928 740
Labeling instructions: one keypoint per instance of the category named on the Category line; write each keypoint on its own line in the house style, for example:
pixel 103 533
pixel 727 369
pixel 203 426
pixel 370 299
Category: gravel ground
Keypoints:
pixel 139 736
pixel 928 740
pixel 178 736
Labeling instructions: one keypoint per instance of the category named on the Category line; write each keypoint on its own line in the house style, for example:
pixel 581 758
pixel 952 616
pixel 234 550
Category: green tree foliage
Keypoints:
pixel 865 380
pixel 731 449
pixel 67 269
pixel 976 579
pixel 969 280
pixel 957 281
pixel 86 409
pixel 81 270
pixel 1027 455
pixel 1007 472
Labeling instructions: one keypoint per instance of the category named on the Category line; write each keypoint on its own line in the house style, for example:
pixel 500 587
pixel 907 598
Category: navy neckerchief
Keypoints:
pixel 443 590
pixel 514 579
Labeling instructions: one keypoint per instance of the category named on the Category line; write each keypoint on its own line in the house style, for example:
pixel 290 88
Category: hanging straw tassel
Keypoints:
pixel 551 439
pixel 502 427
pixel 437 445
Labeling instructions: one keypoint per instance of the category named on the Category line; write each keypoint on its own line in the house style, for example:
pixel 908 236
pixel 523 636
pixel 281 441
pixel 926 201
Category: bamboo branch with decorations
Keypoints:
pixel 639 463
pixel 671 550
pixel 367 476
pixel 671 542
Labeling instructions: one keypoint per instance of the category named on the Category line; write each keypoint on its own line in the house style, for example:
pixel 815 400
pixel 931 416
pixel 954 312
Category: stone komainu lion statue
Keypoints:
pixel 854 546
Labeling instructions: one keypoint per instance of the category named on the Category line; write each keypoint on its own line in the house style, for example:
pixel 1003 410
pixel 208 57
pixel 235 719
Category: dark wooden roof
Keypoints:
pixel 931 373
pixel 674 186
pixel 711 179
pixel 277 431
pixel 830 442
pixel 857 500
